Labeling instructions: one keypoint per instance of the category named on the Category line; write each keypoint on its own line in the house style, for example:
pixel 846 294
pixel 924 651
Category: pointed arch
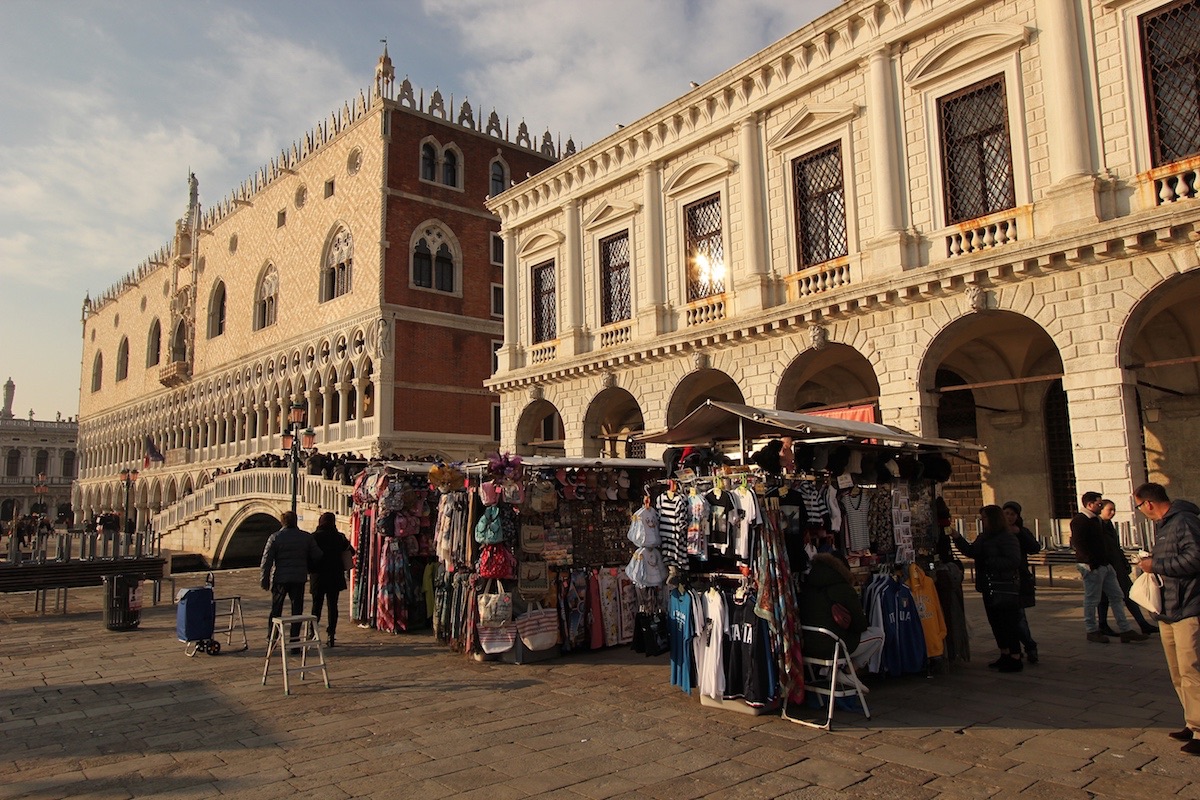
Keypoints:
pixel 266 297
pixel 98 372
pixel 154 344
pixel 123 359
pixel 498 173
pixel 337 263
pixel 216 310
pixel 435 258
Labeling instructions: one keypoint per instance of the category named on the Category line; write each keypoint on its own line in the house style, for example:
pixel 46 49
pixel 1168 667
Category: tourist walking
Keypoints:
pixel 997 554
pixel 285 563
pixel 1029 546
pixel 1099 578
pixel 1122 568
pixel 329 577
pixel 1176 559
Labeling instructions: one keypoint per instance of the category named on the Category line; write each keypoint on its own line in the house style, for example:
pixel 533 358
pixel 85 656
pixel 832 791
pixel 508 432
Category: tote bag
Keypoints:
pixel 497 640
pixel 1147 592
pixel 538 627
pixel 495 607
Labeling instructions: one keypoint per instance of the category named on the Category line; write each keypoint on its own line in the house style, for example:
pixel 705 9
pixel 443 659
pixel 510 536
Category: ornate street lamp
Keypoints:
pixel 128 479
pixel 41 491
pixel 296 442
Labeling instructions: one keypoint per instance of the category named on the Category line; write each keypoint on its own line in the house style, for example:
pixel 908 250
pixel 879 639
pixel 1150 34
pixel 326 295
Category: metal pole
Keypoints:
pixel 295 464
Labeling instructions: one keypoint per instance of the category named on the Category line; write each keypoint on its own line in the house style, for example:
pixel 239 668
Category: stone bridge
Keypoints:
pixel 227 521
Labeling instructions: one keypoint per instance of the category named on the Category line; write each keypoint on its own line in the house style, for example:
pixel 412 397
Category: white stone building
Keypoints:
pixel 979 216
pixel 39 463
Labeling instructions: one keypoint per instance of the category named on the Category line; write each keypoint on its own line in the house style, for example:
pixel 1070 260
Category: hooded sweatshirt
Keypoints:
pixel 828 583
pixel 1176 558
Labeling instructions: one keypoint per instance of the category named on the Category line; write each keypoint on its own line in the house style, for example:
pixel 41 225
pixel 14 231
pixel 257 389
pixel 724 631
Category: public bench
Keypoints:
pixel 1051 559
pixel 40 578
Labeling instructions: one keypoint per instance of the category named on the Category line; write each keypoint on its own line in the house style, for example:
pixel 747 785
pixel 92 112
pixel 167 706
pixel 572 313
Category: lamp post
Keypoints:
pixel 41 491
pixel 296 441
pixel 128 479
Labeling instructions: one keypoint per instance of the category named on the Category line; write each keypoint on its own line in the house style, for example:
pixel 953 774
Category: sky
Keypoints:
pixel 106 106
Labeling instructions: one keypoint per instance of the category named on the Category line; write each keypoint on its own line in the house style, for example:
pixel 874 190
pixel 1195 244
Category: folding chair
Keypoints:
pixel 829 687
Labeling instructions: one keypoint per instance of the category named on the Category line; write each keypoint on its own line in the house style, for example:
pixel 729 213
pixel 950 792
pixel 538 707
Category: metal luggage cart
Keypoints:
pixel 197 617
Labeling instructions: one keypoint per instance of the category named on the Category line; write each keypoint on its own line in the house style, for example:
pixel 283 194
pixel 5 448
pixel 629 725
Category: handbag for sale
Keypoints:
pixel 533 538
pixel 497 561
pixel 533 580
pixel 643 530
pixel 495 607
pixel 538 627
pixel 1003 591
pixel 489 529
pixel 652 634
pixel 497 640
pixel 1147 592
pixel 543 498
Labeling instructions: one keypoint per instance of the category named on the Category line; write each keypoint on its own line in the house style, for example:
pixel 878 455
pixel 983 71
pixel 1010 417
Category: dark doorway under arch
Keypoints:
pixel 246 543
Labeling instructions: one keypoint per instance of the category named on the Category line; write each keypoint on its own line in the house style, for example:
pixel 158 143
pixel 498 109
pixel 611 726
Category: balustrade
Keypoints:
pixel 704 312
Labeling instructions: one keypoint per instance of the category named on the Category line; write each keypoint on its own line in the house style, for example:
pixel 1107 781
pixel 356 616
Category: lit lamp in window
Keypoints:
pixel 296 442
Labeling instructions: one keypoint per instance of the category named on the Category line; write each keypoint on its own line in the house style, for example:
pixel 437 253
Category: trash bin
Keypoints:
pixel 122 602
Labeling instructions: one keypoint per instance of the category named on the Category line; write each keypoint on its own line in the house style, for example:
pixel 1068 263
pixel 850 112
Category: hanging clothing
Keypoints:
pixel 711 632
pixel 929 609
pixel 742 542
pixel 856 508
pixel 672 508
pixel 679 615
pixel 748 671
pixel 699 525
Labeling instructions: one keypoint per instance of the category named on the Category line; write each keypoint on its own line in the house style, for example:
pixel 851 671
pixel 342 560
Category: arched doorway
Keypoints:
pixel 1160 347
pixel 835 375
pixel 540 431
pixel 611 420
pixel 696 388
pixel 995 378
pixel 244 542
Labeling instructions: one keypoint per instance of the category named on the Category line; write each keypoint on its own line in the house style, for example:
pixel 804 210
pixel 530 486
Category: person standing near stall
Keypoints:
pixel 329 578
pixel 1120 564
pixel 997 554
pixel 1029 546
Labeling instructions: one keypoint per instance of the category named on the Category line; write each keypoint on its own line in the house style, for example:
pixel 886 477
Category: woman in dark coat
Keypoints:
pixel 329 576
pixel 997 554
pixel 1029 546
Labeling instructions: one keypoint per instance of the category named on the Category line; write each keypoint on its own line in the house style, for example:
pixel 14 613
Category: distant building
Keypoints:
pixel 357 274
pixel 971 219
pixel 39 463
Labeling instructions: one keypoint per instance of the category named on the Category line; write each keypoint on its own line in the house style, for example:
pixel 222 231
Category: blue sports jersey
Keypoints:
pixel 679 614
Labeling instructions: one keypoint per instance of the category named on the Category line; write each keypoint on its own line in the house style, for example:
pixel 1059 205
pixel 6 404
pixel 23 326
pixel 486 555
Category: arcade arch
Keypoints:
pixel 540 430
pixel 611 420
pixel 697 387
pixel 835 375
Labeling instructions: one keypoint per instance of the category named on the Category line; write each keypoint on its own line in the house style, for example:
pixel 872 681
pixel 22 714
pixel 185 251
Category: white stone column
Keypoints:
pixel 751 281
pixel 572 338
pixel 651 275
pixel 343 398
pixel 888 246
pixel 1073 197
pixel 509 357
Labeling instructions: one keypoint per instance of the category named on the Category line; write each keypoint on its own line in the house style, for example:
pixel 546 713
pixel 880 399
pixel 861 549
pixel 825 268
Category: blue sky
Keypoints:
pixel 107 105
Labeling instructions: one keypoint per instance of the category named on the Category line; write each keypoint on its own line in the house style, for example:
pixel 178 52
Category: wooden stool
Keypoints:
pixel 308 640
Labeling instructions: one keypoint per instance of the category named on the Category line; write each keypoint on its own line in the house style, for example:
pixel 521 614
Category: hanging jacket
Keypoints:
pixel 929 608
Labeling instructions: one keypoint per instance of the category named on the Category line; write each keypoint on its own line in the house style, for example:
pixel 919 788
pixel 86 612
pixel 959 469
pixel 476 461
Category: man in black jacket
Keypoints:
pixel 1087 537
pixel 1176 559
pixel 290 553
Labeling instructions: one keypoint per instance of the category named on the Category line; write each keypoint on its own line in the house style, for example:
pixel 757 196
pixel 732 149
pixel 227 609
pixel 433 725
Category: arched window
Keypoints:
pixel 443 270
pixel 179 342
pixel 336 271
pixel 13 463
pixel 499 178
pixel 68 464
pixel 98 372
pixel 123 360
pixel 450 168
pixel 266 299
pixel 422 269
pixel 436 259
pixel 428 162
pixel 216 311
pixel 154 344
pixel 41 464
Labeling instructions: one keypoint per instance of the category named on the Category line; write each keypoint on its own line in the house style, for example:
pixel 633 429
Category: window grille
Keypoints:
pixel 428 162
pixel 497 249
pixel 614 269
pixel 1059 455
pixel 545 304
pixel 1171 61
pixel 450 168
pixel 705 249
pixel 336 274
pixel 977 170
pixel 499 178
pixel 422 266
pixel 820 205
pixel 443 270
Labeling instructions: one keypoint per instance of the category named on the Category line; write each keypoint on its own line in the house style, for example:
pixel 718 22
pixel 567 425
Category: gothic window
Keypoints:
pixel 499 178
pixel 1171 61
pixel 216 311
pixel 614 275
pixel 545 304
pixel 179 342
pixel 98 372
pixel 977 169
pixel 422 269
pixel 443 270
pixel 267 299
pixel 820 205
pixel 154 344
pixel 337 269
pixel 705 248
pixel 428 162
pixel 123 360
pixel 435 260
pixel 450 168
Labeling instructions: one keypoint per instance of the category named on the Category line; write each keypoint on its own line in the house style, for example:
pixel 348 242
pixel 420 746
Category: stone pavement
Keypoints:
pixel 93 713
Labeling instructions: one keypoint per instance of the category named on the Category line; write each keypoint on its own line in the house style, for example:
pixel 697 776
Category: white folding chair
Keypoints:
pixel 829 686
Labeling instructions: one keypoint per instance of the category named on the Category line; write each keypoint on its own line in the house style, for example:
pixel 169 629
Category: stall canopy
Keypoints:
pixel 717 421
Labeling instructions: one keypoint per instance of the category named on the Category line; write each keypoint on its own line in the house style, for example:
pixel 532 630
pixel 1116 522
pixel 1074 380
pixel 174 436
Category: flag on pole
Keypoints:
pixel 152 453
